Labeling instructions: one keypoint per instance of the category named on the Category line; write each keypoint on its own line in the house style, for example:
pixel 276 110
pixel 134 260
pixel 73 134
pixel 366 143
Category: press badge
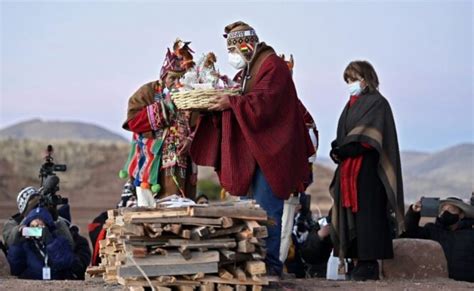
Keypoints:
pixel 46 273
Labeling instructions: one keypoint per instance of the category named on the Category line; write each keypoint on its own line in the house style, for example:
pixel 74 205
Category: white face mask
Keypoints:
pixel 355 89
pixel 237 61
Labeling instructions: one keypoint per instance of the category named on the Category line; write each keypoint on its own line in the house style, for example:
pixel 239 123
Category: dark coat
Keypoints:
pixel 366 234
pixel 82 255
pixel 373 238
pixel 27 262
pixel 458 244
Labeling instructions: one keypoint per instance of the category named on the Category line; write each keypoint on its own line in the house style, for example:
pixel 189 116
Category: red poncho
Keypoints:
pixel 264 126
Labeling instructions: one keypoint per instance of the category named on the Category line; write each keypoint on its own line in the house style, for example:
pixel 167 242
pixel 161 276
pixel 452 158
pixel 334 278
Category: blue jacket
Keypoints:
pixel 27 262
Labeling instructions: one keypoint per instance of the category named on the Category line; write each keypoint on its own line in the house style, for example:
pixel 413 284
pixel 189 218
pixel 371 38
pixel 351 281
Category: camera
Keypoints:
pixel 49 167
pixel 50 182
pixel 323 222
pixel 32 231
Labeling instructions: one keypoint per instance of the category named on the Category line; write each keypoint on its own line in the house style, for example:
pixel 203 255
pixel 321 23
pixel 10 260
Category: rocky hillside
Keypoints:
pixel 38 129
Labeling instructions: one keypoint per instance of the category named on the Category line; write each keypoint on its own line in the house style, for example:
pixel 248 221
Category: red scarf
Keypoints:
pixel 350 169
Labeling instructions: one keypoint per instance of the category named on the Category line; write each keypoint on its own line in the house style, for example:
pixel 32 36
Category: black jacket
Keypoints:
pixel 82 255
pixel 458 244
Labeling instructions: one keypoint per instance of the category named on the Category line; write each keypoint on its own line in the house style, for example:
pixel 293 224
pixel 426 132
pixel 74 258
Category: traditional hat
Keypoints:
pixel 25 197
pixel 178 61
pixel 241 36
pixel 455 201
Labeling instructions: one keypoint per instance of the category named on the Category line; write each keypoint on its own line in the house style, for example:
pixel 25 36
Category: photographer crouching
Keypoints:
pixel 44 254
pixel 30 199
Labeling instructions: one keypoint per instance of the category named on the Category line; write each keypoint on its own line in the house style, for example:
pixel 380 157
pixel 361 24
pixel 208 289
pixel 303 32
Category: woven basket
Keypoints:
pixel 199 99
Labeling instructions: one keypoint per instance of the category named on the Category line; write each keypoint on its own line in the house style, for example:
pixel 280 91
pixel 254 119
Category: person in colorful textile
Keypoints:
pixel 367 186
pixel 257 141
pixel 159 164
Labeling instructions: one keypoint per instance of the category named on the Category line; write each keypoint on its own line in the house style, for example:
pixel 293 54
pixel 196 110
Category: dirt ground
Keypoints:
pixel 288 285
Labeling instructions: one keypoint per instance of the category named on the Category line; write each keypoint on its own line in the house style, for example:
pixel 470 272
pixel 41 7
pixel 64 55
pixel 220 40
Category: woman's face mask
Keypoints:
pixel 355 88
pixel 237 61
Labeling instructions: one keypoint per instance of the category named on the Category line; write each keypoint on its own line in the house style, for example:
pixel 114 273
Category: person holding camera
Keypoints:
pixel 30 198
pixel 44 254
pixel 449 230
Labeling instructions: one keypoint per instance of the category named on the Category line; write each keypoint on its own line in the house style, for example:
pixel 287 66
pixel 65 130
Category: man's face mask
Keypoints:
pixel 447 218
pixel 237 61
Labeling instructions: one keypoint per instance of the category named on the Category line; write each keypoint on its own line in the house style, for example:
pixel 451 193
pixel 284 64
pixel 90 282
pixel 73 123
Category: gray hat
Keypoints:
pixel 25 195
pixel 455 201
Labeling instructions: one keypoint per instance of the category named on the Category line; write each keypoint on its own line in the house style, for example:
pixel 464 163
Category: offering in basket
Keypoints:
pixel 201 83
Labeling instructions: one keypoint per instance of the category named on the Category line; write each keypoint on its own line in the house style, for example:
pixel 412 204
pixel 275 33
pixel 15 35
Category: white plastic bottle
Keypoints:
pixel 333 272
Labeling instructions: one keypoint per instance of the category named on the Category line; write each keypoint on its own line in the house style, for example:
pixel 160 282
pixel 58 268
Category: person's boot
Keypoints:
pixel 365 270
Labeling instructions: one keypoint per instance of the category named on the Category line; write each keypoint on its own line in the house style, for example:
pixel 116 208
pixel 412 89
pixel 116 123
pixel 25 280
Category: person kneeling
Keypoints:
pixel 44 255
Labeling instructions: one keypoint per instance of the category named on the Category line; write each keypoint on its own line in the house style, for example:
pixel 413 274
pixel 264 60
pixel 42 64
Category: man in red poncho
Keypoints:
pixel 257 141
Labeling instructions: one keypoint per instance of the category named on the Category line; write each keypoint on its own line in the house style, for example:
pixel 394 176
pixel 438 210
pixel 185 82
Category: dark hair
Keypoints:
pixel 362 69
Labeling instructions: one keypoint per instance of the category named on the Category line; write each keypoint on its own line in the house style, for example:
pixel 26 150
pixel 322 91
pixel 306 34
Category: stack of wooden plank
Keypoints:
pixel 218 246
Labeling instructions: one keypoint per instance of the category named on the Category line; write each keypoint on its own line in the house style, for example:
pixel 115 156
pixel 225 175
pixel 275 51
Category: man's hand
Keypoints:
pixel 184 147
pixel 417 206
pixel 334 156
pixel 324 231
pixel 221 103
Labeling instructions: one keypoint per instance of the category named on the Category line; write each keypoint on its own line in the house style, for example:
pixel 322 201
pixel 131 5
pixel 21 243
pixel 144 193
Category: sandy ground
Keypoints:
pixel 289 285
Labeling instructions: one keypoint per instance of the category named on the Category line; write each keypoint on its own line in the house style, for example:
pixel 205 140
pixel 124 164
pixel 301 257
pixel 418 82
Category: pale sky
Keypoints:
pixel 80 61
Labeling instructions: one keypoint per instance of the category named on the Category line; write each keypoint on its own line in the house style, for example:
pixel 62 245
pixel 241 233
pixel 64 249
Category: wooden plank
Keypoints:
pixel 185 220
pixel 223 287
pixel 256 288
pixel 185 252
pixel 201 232
pixel 244 246
pixel 228 231
pixel 173 228
pixel 259 231
pixel 139 251
pixel 215 279
pixel 185 288
pixel 194 277
pixel 207 287
pixel 255 267
pixel 232 212
pixel 132 217
pixel 132 229
pixel 229 255
pixel 244 234
pixel 152 270
pixel 156 282
pixel 224 274
pixel 237 272
pixel 172 264
pixel 185 233
pixel 240 288
pixel 227 222
pixel 210 243
pixel 95 270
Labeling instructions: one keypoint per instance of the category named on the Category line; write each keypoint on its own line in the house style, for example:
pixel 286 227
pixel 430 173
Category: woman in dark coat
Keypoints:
pixel 29 258
pixel 367 185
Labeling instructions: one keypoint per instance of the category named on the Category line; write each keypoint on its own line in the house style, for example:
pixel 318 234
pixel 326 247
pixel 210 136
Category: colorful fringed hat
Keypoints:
pixel 178 61
pixel 241 36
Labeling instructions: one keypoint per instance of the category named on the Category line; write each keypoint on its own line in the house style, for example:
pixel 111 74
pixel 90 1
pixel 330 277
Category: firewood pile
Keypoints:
pixel 219 246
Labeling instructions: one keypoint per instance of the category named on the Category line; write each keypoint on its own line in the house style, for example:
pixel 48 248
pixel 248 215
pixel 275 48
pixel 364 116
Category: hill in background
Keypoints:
pixel 38 129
